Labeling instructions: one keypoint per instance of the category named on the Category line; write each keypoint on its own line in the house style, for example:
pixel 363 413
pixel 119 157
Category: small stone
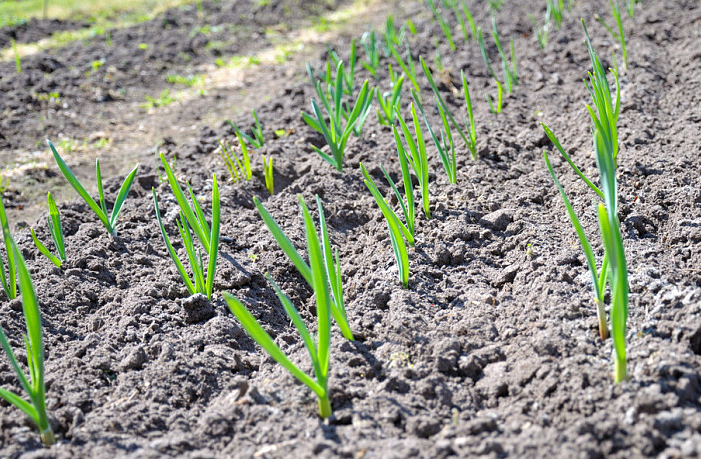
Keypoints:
pixel 134 360
pixel 423 426
pixel 197 308
pixel 498 220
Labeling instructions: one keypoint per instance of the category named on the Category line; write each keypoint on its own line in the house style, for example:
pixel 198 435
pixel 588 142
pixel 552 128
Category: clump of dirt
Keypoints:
pixel 492 351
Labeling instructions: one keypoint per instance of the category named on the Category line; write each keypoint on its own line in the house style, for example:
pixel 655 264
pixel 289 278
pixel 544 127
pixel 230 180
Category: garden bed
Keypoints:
pixel 493 349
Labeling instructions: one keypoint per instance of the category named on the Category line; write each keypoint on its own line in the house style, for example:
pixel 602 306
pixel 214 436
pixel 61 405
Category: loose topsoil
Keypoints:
pixel 492 351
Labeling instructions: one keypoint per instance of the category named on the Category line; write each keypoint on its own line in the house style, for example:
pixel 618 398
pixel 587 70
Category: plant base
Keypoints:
pixel 324 407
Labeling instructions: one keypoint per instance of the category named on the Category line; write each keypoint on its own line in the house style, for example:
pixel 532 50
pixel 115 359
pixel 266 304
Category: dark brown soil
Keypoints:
pixel 492 351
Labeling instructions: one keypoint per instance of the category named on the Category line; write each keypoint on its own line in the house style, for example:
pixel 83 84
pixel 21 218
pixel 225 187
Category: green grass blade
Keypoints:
pixel 258 131
pixel 564 154
pixel 171 250
pixel 400 254
pixel 20 403
pixel 193 257
pixel 297 321
pixel 408 69
pixel 32 318
pixel 260 336
pixel 390 216
pixel 320 284
pixel 333 272
pixel 184 205
pixel 472 144
pixel 9 283
pixel 100 191
pixel 246 169
pixel 42 248
pixel 619 286
pixel 122 196
pixel 56 228
pixel 268 173
pixel 214 238
pixel 201 220
pixel 23 381
pixel 586 246
pixel 439 98
pixel 68 174
pixel 483 51
pixel 284 243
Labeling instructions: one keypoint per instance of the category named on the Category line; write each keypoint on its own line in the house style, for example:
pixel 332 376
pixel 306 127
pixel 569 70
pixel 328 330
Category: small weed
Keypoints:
pixel 186 80
pixel 164 99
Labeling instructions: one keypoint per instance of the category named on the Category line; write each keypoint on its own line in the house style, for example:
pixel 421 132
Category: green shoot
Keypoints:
pixel 461 21
pixel 33 385
pixel 613 269
pixel 606 117
pixel 156 102
pixel 417 159
pixel 557 7
pixel 268 173
pixel 239 169
pixel 203 276
pixel 392 36
pixel 631 7
pixel 407 66
pixel 18 59
pixel 388 102
pixel 470 19
pixel 541 33
pixel 162 178
pixel 483 51
pixel 349 75
pixel 332 269
pixel 192 212
pixel 619 36
pixel 510 71
pixel 256 139
pixel 319 353
pixel 496 107
pixel 369 42
pixel 495 5
pixel 471 142
pixel 618 273
pixel 56 231
pixel 9 281
pixel 397 230
pixel 598 277
pixel 443 24
pixel 335 135
pixel 446 146
pixel 438 60
pixel 108 220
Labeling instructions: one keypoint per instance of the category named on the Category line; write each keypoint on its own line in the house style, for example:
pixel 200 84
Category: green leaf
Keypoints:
pixel 284 243
pixel 185 205
pixel 320 285
pixel 586 247
pixel 171 251
pixel 56 228
pixel 122 196
pixel 214 238
pixel 68 174
pixel 334 275
pixel 299 324
pixel 42 248
pixel 564 154
pixel 260 336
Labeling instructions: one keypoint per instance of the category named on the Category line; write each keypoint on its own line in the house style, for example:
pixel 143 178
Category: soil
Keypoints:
pixel 492 351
